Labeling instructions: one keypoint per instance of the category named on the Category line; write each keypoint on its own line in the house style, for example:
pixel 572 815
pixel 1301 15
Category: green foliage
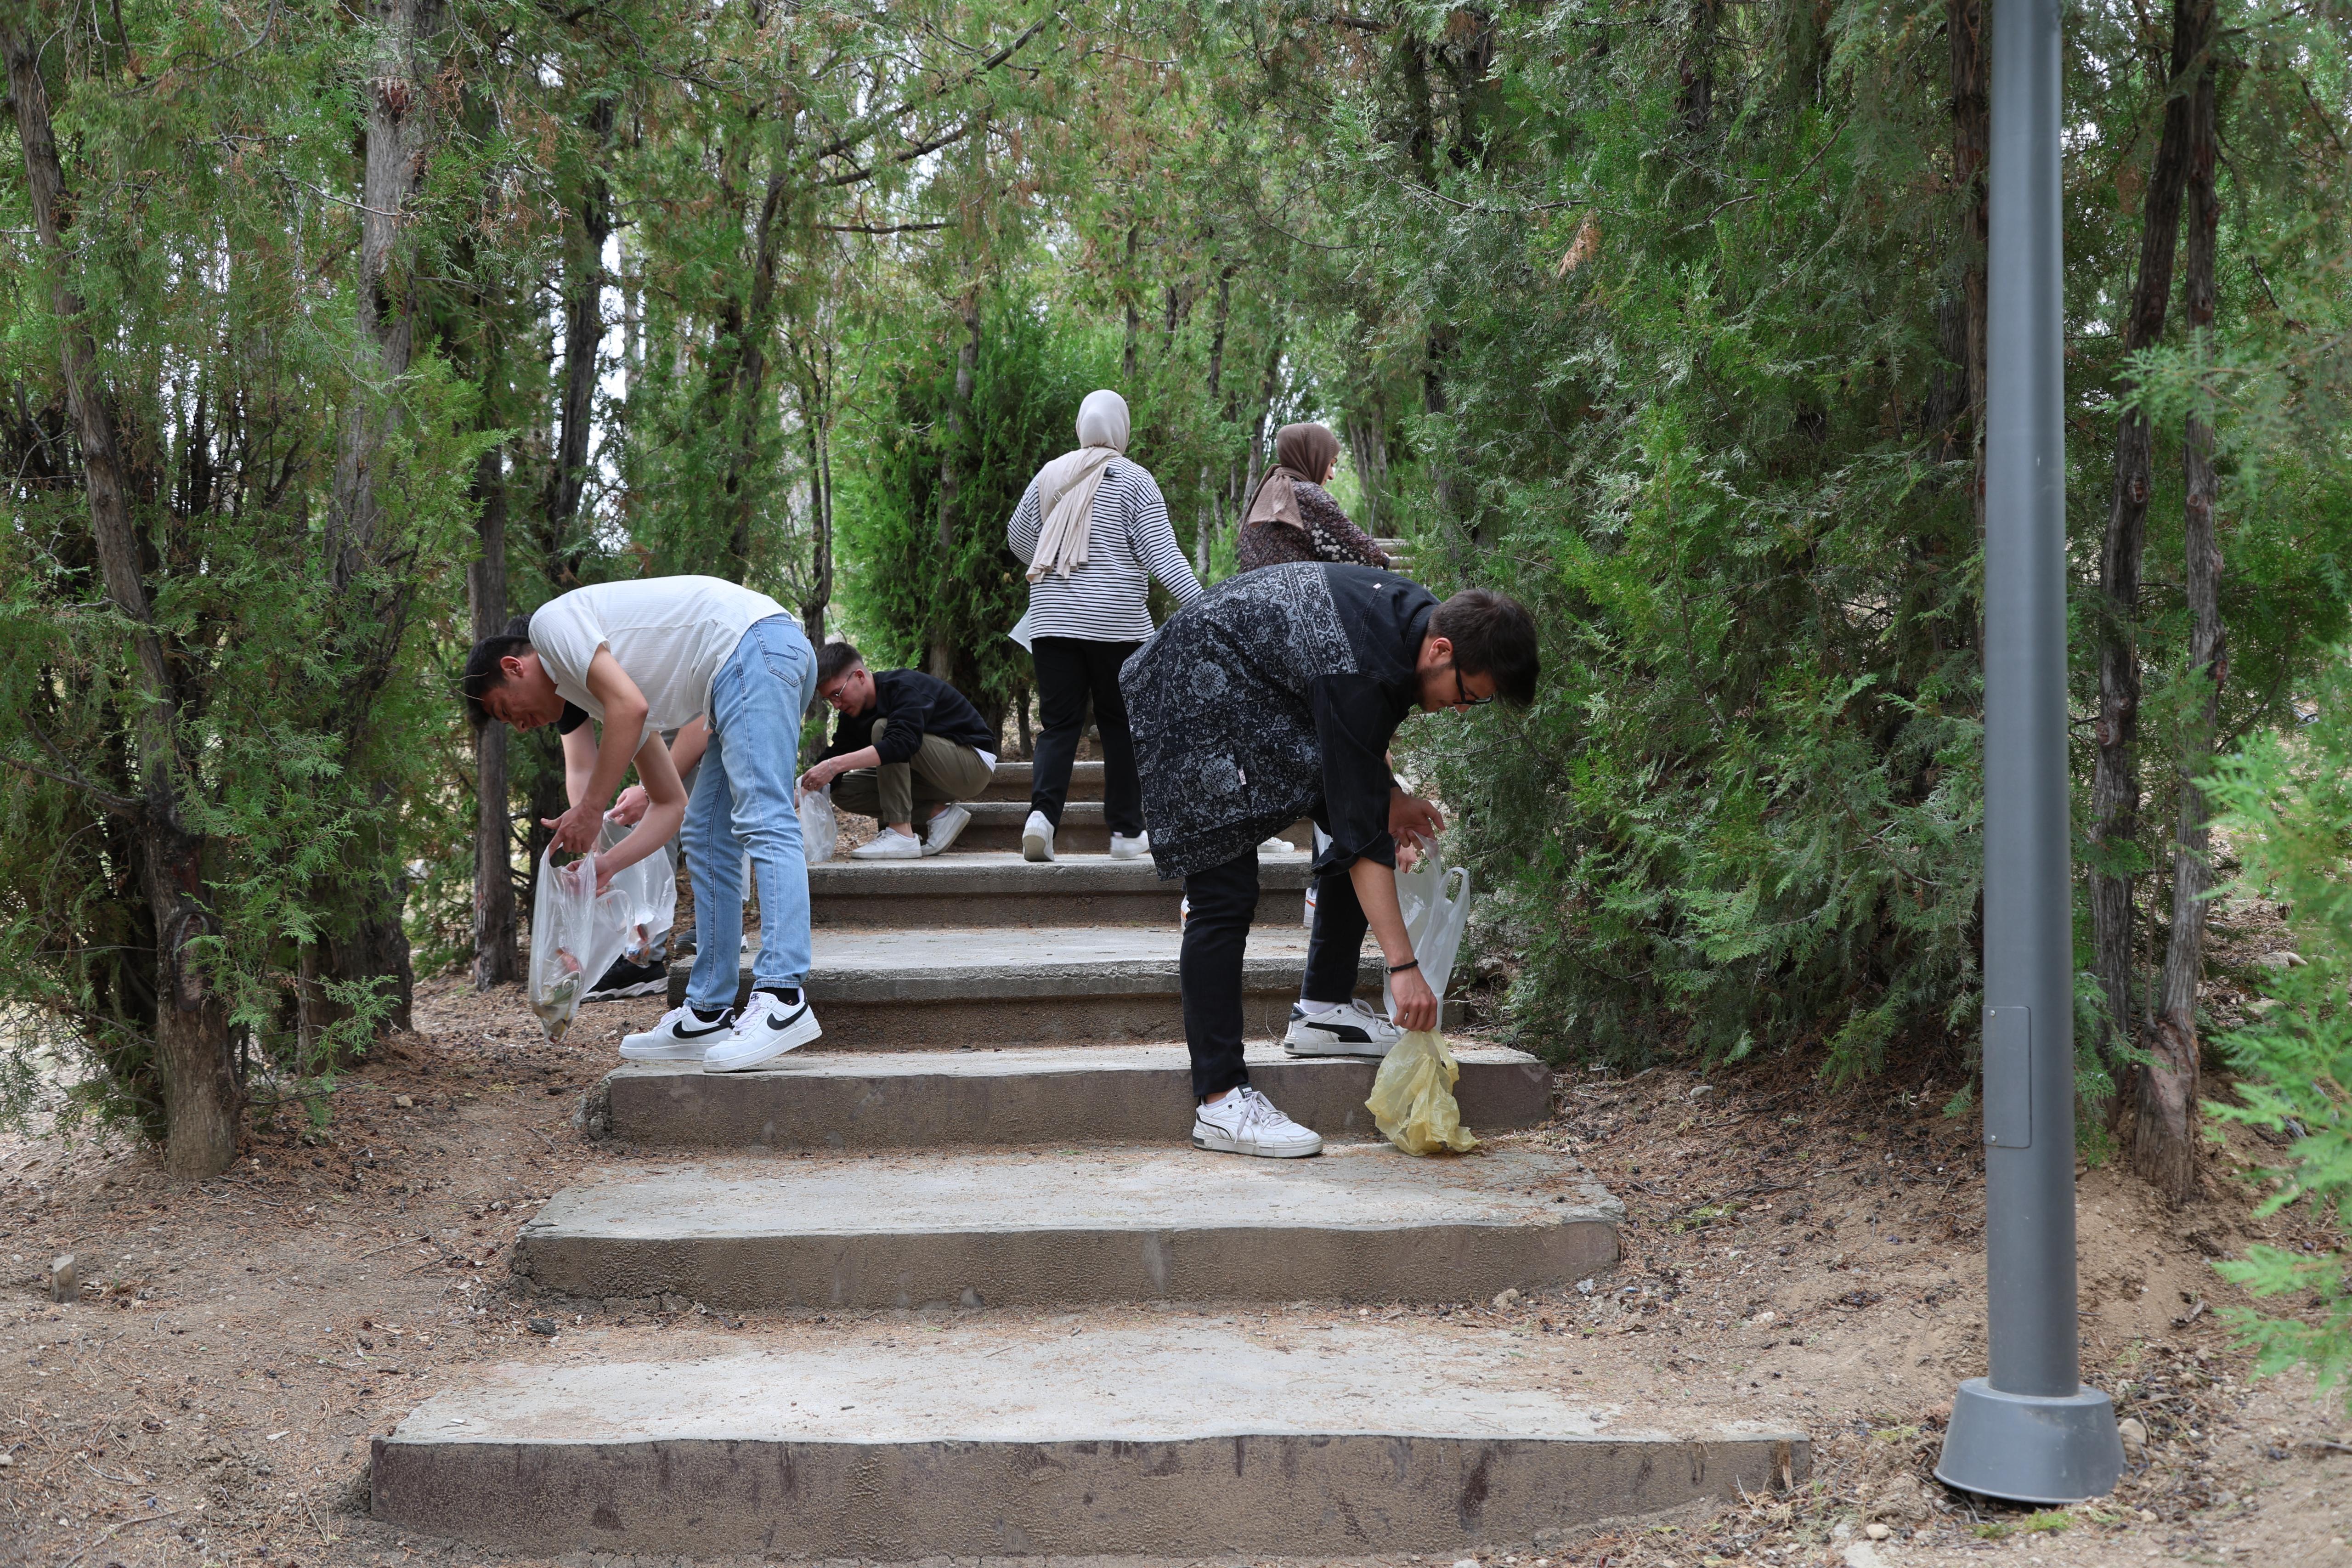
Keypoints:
pixel 1029 378
pixel 2286 803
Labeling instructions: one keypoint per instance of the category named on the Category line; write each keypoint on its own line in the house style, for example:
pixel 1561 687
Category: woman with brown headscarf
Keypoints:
pixel 1293 517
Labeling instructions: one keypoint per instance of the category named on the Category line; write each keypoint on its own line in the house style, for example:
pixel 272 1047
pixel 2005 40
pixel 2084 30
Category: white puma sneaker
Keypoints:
pixel 1037 838
pixel 1354 1030
pixel 1246 1123
pixel 766 1028
pixel 1122 847
pixel 680 1037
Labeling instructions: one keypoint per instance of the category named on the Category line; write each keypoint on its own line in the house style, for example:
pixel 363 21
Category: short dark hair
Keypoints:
pixel 835 657
pixel 483 673
pixel 1492 634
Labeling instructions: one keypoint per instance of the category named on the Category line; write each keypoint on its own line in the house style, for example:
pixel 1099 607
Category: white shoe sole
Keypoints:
pixel 775 1044
pixel 668 1051
pixel 859 854
pixel 1218 1143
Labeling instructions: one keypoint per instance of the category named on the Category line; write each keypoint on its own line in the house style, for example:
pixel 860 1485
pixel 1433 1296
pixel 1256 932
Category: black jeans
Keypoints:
pixel 1223 900
pixel 1069 670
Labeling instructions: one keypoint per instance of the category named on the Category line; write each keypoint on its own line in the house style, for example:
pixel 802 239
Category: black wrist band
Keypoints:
pixel 1400 968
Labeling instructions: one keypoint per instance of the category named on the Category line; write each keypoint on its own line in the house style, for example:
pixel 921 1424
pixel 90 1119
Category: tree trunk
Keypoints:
pixel 816 421
pixel 2164 1148
pixel 2115 779
pixel 496 957
pixel 200 1090
pixel 1368 444
pixel 399 131
pixel 1956 392
pixel 943 660
pixel 1134 316
pixel 1271 385
pixel 584 334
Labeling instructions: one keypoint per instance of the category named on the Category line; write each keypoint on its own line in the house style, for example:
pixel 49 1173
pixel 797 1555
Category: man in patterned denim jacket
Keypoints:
pixel 1275 696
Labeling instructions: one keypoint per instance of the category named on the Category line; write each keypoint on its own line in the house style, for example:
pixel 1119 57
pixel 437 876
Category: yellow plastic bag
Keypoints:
pixel 1412 1097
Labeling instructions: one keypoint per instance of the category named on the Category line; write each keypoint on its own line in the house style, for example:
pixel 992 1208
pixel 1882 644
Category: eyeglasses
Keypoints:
pixel 1462 694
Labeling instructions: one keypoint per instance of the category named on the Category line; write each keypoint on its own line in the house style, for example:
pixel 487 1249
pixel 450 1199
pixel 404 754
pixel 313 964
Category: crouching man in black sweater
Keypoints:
pixel 905 740
pixel 1274 696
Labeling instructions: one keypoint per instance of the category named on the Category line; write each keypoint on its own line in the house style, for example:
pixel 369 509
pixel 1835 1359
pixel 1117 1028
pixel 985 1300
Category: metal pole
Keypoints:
pixel 2029 1432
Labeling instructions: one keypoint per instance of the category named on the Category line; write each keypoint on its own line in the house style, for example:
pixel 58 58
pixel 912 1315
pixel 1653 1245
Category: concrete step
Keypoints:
pixel 996 828
pixel 1012 779
pixel 1000 1437
pixel 1360 1222
pixel 1001 890
pixel 953 987
pixel 1013 1096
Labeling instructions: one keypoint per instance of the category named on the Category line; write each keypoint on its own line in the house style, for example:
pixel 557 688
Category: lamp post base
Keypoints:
pixel 2024 1447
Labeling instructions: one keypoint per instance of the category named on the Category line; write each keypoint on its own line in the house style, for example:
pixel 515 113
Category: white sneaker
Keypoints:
pixel 680 1037
pixel 1036 838
pixel 764 1030
pixel 1246 1123
pixel 1278 845
pixel 944 828
pixel 1354 1030
pixel 1122 847
pixel 890 845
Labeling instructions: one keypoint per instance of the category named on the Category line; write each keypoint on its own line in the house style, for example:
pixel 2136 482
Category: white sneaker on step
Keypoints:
pixel 680 1037
pixel 1246 1123
pixel 943 829
pixel 1037 838
pixel 1354 1030
pixel 1278 845
pixel 890 845
pixel 1122 847
pixel 766 1028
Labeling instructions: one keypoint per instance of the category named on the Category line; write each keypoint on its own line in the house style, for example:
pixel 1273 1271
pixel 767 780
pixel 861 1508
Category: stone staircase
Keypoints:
pixel 993 1135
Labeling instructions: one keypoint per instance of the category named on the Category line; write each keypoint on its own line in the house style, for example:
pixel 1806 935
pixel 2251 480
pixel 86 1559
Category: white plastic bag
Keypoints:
pixel 575 935
pixel 820 829
pixel 1433 921
pixel 649 889
pixel 1023 631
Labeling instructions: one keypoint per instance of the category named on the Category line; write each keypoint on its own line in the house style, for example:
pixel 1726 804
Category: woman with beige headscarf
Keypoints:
pixel 1094 531
pixel 1292 517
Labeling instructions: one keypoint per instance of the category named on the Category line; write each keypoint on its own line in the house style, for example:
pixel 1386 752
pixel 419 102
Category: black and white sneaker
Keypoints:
pixel 1354 1030
pixel 682 1035
pixel 766 1028
pixel 627 978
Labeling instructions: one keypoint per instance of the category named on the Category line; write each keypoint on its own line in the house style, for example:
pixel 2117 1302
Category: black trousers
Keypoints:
pixel 1069 670
pixel 1223 901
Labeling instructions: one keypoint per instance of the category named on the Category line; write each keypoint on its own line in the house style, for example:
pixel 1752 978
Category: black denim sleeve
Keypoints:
pixel 1355 718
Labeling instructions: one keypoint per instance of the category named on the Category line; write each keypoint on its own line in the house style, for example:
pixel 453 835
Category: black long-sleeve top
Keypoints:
pixel 916 705
pixel 1271 697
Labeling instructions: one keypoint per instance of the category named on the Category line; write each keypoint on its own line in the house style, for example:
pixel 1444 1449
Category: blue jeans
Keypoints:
pixel 742 802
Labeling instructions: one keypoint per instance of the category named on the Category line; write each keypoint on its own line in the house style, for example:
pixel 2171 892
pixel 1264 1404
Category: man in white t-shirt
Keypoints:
pixel 644 657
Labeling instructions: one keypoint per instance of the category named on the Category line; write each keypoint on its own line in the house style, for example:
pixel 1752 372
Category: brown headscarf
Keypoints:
pixel 1300 452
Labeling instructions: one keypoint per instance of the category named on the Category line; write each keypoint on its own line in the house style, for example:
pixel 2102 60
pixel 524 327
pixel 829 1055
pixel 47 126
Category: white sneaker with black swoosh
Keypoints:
pixel 680 1037
pixel 766 1028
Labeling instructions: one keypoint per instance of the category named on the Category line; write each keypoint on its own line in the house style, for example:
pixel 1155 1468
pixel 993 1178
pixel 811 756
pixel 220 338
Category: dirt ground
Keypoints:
pixel 1791 1255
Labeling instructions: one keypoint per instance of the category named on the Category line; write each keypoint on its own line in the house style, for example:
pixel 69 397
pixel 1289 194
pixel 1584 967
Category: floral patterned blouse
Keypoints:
pixel 1327 536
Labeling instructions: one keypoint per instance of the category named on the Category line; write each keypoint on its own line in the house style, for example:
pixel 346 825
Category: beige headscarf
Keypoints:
pixel 1066 486
pixel 1300 452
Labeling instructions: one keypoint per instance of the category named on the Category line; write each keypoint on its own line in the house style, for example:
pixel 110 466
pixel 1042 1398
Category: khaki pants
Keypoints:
pixel 940 771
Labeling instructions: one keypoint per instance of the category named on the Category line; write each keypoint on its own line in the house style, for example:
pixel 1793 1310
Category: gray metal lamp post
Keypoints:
pixel 2030 1432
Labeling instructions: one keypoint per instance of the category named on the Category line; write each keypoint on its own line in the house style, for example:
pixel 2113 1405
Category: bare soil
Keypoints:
pixel 1792 1254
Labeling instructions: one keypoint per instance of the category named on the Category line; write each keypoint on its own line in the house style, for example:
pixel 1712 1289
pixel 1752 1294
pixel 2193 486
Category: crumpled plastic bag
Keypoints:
pixel 575 935
pixel 820 829
pixel 651 889
pixel 1412 1097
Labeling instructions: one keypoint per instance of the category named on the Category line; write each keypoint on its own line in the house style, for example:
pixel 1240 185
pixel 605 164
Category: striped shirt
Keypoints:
pixel 1129 540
